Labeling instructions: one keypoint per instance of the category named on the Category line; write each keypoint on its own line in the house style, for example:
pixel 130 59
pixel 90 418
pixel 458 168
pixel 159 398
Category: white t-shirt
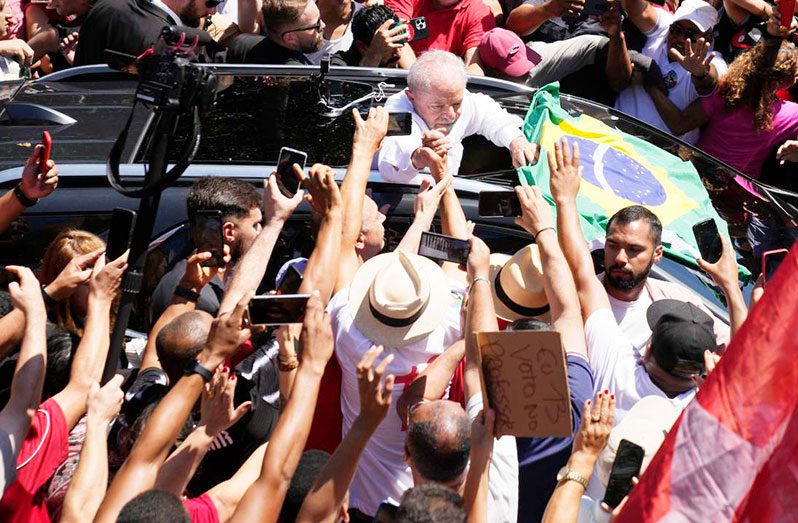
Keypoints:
pixel 480 115
pixel 344 43
pixel 503 472
pixel 382 472
pixel 634 100
pixel 631 318
pixel 616 367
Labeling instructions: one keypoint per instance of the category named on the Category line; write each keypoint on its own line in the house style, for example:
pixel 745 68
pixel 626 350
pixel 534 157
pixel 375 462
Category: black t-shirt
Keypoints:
pixel 254 49
pixel 732 40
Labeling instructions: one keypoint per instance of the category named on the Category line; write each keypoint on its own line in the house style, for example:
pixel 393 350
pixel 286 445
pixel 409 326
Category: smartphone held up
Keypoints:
pixel 206 230
pixel 287 180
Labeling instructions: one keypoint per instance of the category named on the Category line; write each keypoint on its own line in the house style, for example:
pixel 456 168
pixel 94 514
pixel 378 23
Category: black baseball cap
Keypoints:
pixel 680 333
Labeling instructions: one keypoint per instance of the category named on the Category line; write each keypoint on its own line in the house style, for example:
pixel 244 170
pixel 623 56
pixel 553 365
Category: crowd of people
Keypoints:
pixel 707 72
pixel 372 409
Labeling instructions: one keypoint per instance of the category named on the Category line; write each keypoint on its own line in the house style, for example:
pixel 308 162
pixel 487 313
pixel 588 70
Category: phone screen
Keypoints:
pixel 207 234
pixel 708 240
pixel 286 178
pixel 627 464
pixel 276 309
pixel 499 203
pixel 399 124
pixel 444 248
pixel 291 281
pixel 121 233
pixel 771 261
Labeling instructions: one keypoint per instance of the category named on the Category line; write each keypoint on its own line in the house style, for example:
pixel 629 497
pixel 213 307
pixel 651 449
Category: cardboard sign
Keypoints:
pixel 526 383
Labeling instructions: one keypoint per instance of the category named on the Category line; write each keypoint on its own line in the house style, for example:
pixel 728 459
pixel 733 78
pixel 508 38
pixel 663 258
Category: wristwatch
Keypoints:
pixel 566 474
pixel 194 367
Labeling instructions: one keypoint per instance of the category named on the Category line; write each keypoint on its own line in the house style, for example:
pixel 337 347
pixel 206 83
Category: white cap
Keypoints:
pixel 702 14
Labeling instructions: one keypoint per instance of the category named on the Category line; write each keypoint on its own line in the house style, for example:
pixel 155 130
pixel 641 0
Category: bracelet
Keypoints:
pixel 478 278
pixel 535 236
pixel 48 300
pixel 187 294
pixel 24 200
pixel 287 365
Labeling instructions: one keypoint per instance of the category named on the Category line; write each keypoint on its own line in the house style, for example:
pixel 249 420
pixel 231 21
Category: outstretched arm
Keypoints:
pixel 87 488
pixel 424 207
pixel 89 359
pixel 368 137
pixel 26 385
pixel 724 273
pixel 264 498
pixel 431 383
pixel 566 176
pixel 480 313
pixel 641 13
pixel 558 282
pixel 34 185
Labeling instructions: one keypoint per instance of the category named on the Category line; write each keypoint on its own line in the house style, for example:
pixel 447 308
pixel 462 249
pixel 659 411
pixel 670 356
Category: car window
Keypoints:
pixel 255 116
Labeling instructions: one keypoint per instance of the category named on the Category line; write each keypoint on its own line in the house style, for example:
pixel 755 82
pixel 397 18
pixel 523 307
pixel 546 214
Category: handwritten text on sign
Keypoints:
pixel 526 382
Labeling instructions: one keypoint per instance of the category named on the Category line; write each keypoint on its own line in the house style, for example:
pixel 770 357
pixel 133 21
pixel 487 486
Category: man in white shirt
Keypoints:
pixel 444 112
pixel 665 32
pixel 681 333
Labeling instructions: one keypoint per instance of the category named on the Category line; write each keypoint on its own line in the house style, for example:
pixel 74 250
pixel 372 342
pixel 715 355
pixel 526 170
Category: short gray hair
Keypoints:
pixel 435 67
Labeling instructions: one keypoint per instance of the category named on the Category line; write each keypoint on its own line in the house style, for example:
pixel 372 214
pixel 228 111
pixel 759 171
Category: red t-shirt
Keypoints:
pixel 454 29
pixel 45 447
pixel 325 430
pixel 201 509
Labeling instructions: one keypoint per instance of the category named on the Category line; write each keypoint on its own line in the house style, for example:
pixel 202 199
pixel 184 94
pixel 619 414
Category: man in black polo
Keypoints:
pixel 132 26
pixel 294 28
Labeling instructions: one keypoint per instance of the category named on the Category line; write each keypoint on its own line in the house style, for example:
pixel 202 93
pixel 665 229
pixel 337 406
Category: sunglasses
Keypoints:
pixel 210 4
pixel 689 34
pixel 316 28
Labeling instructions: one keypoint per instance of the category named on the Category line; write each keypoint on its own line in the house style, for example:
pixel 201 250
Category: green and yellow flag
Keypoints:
pixel 620 170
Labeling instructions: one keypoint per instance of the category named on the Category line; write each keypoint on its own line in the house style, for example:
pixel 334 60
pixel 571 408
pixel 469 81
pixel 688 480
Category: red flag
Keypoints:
pixel 733 453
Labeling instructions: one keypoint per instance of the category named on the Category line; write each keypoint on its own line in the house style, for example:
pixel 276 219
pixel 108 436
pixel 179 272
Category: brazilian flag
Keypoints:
pixel 620 170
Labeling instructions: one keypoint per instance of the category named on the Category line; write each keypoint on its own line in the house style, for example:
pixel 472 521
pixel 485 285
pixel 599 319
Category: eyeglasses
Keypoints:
pixel 316 28
pixel 693 36
pixel 210 4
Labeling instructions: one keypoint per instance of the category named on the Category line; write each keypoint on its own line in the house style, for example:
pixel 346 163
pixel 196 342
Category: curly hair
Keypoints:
pixel 754 77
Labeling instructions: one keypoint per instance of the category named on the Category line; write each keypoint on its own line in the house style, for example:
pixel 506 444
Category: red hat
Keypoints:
pixel 504 51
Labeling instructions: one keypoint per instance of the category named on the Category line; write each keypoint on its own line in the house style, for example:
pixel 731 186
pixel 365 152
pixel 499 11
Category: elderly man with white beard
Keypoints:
pixel 444 112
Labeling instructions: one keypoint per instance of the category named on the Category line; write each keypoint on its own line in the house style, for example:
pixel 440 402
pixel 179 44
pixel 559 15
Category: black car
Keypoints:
pixel 258 110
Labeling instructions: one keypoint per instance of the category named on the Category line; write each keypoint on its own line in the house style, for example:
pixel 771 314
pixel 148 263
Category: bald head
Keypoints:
pixel 180 340
pixel 439 441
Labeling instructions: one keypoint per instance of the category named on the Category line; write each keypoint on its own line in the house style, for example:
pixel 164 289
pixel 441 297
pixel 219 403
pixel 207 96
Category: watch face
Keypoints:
pixel 561 474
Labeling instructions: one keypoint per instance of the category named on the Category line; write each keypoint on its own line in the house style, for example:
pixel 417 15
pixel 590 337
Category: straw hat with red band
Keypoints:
pixel 398 298
pixel 518 290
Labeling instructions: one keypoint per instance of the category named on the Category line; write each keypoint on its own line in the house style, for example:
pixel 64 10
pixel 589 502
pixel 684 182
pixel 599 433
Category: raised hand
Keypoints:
pixel 437 140
pixel 276 206
pixel 536 212
pixel 788 152
pixel 711 360
pixel 196 275
pixel 724 271
pixel 370 132
pixel 428 198
pixel 228 331
pixel 38 181
pixel 324 194
pixel 566 173
pixel 106 278
pixel 217 410
pixel 389 36
pixel 482 429
pixel 103 403
pixel 696 58
pixel 375 393
pixel 598 418
pixel 317 337
pixel 478 264
pixel 611 19
pixel 26 295
pixel 68 46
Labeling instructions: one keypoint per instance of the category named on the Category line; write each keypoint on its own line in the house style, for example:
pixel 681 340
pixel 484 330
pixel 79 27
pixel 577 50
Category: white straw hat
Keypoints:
pixel 518 290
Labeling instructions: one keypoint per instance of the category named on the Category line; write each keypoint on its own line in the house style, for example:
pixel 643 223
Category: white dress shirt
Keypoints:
pixel 480 115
